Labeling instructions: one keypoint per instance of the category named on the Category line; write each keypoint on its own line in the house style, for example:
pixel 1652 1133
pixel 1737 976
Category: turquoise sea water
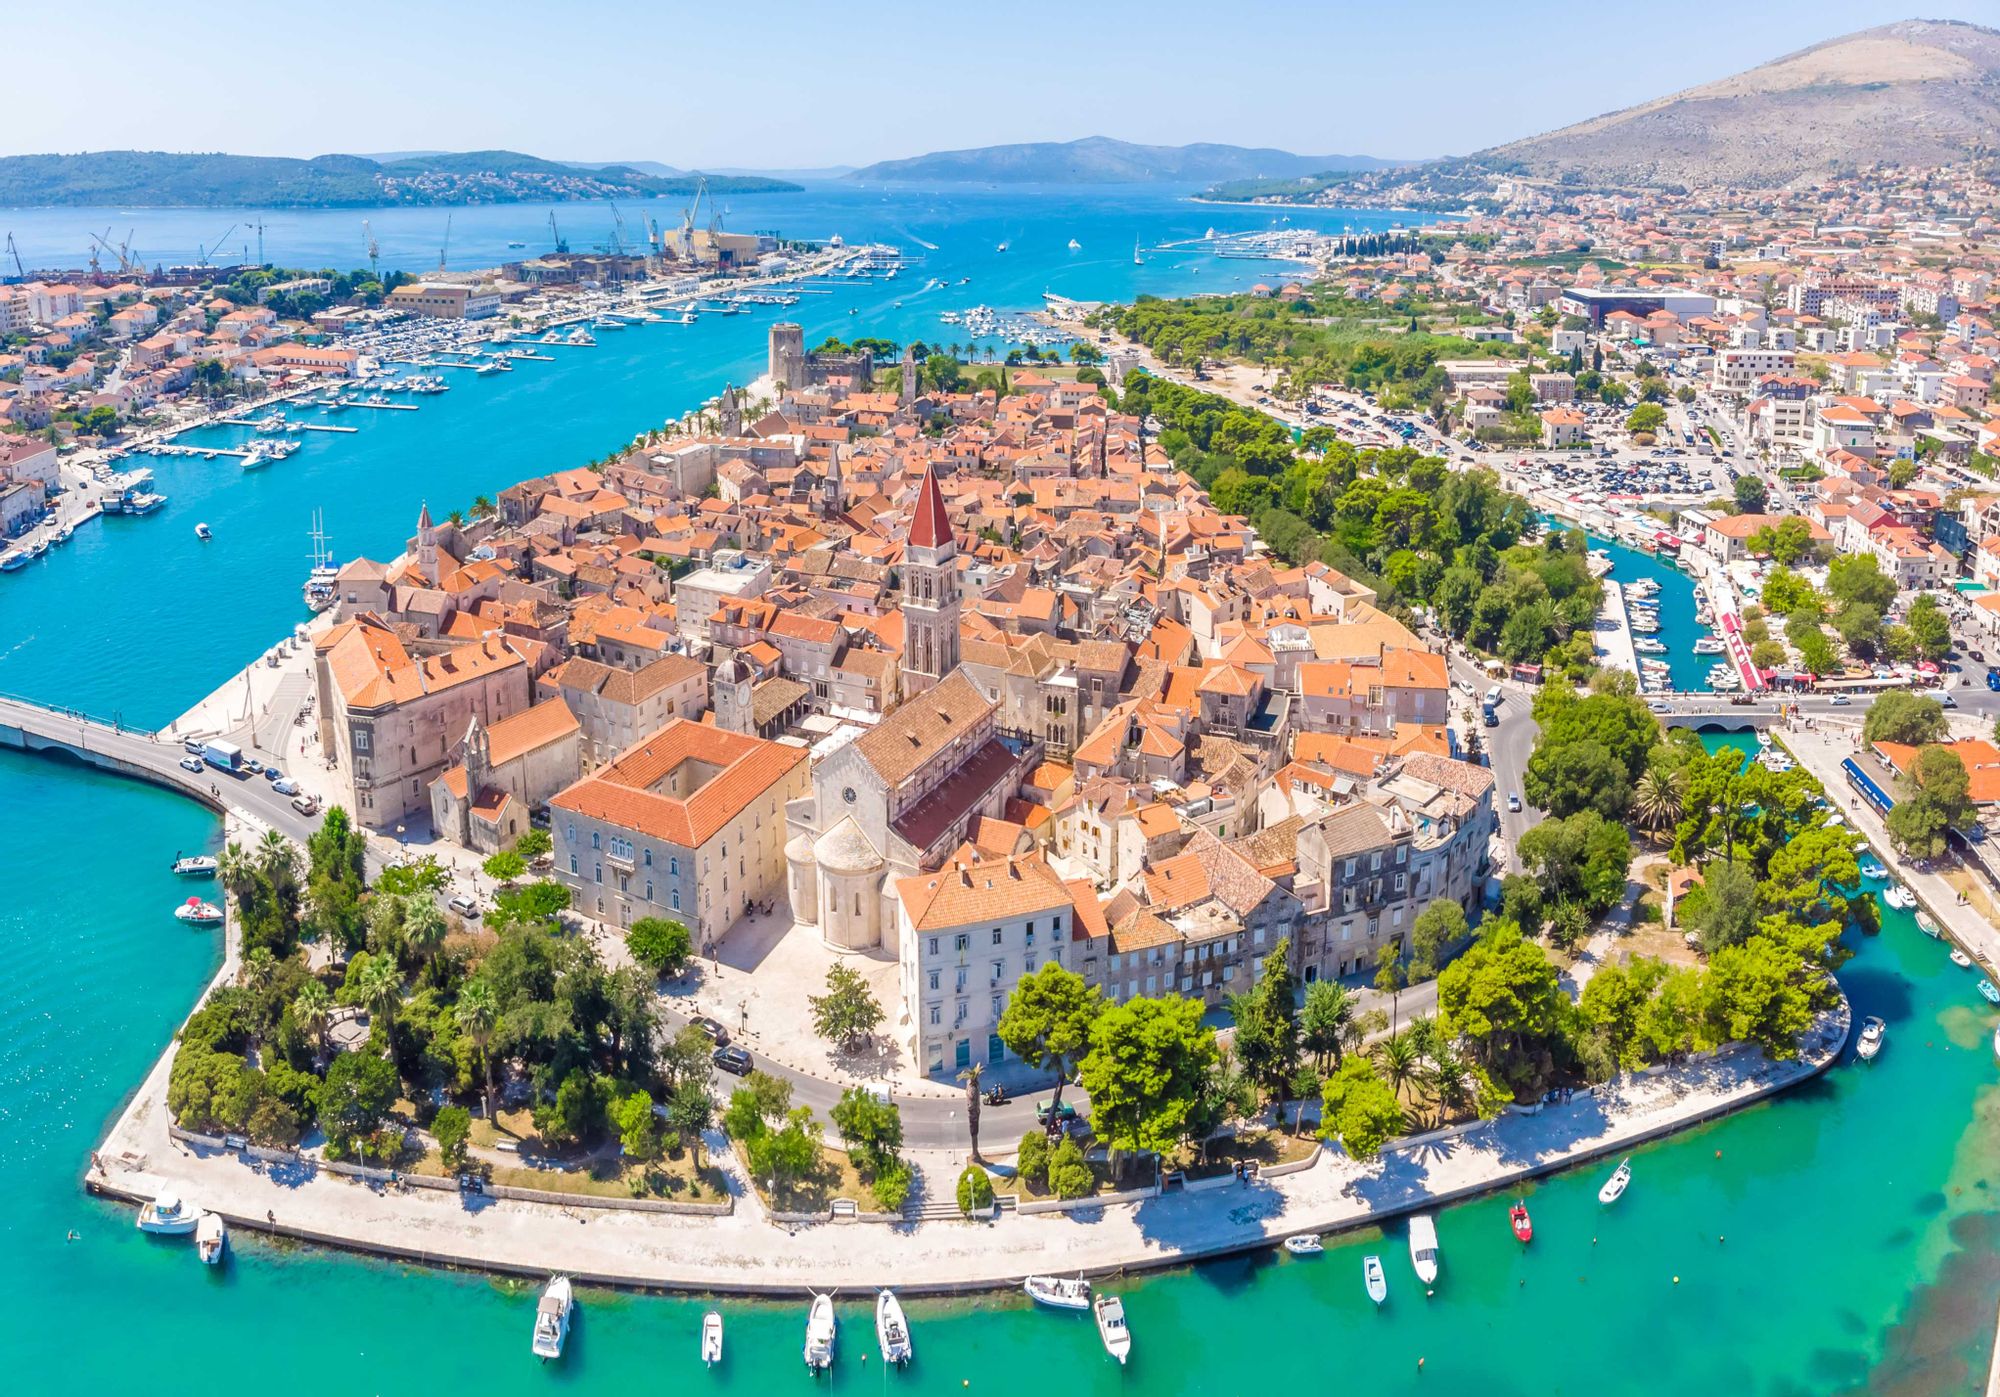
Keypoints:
pixel 1841 1238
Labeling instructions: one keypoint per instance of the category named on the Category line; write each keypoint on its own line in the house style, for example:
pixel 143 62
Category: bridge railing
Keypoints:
pixel 115 721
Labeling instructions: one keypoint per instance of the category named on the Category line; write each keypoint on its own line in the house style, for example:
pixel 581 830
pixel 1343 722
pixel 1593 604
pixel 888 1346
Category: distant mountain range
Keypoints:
pixel 1101 160
pixel 1918 92
pixel 163 179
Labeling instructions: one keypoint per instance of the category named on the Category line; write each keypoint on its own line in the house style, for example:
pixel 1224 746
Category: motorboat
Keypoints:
pixel 1926 924
pixel 1424 1248
pixel 1524 1227
pixel 13 562
pixel 1996 1042
pixel 195 912
pixel 552 1313
pixel 1872 869
pixel 1111 1327
pixel 711 1338
pixel 1075 246
pixel 1614 1187
pixel 203 532
pixel 1376 1281
pixel 1960 959
pixel 1898 897
pixel 1987 992
pixel 211 1235
pixel 1305 1244
pixel 1709 645
pixel 1059 1292
pixel 892 1330
pixel 819 1334
pixel 1870 1042
pixel 168 1216
pixel 195 866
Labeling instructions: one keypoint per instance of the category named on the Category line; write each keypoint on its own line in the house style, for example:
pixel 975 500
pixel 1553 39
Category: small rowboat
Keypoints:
pixel 1374 1279
pixel 711 1338
pixel 1059 1292
pixel 1926 925
pixel 1305 1244
pixel 210 1237
pixel 1960 959
pixel 1524 1228
pixel 1988 992
pixel 1614 1187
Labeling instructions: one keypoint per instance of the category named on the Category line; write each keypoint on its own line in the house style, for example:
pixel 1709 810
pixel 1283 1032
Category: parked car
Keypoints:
pixel 194 745
pixel 1514 802
pixel 717 1034
pixel 306 805
pixel 285 786
pixel 464 905
pixel 1842 701
pixel 1064 1112
pixel 191 764
pixel 733 1060
pixel 252 765
pixel 273 775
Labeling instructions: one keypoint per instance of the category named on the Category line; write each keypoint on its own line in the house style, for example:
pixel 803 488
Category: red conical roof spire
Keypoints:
pixel 424 516
pixel 932 526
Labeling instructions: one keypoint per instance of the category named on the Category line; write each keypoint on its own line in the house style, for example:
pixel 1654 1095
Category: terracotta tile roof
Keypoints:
pixel 625 794
pixel 923 727
pixel 978 891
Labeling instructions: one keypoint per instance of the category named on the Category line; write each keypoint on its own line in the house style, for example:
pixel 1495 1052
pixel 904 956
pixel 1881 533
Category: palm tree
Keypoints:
pixel 235 869
pixel 258 968
pixel 1656 800
pixel 423 927
pixel 1449 1077
pixel 380 988
pixel 970 1076
pixel 478 1012
pixel 1399 1060
pixel 313 1011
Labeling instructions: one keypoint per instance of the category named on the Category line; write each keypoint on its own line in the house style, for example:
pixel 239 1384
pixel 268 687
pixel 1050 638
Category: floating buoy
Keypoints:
pixel 1718 1154
pixel 1420 1365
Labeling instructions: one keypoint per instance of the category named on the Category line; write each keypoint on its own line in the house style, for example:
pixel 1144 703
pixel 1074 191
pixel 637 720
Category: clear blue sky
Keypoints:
pixel 791 84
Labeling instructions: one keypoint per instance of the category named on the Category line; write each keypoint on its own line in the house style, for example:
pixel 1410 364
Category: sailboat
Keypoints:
pixel 321 589
pixel 1137 260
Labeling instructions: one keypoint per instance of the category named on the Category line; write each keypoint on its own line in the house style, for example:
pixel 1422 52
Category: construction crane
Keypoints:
pixel 617 228
pixel 260 242
pixel 15 253
pixel 213 247
pixel 446 247
pixel 123 252
pixel 374 251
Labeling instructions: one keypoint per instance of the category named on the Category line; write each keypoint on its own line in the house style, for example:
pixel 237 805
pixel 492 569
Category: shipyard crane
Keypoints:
pixel 556 233
pixel 446 247
pixel 15 253
pixel 123 252
pixel 260 242
pixel 374 251
pixel 202 256
pixel 617 228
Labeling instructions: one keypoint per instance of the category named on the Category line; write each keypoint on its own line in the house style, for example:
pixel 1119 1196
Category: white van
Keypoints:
pixel 1493 695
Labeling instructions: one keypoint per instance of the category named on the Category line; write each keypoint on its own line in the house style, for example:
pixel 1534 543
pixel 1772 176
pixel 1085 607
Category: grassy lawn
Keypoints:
pixel 1263 1147
pixel 670 1177
pixel 835 1178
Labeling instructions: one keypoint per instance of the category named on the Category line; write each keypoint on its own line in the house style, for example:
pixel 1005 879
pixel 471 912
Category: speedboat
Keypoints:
pixel 1524 1228
pixel 1374 1279
pixel 1305 1244
pixel 1987 992
pixel 210 1237
pixel 819 1334
pixel 203 532
pixel 1872 869
pixel 1059 1292
pixel 195 912
pixel 1870 1042
pixel 1111 1327
pixel 892 1330
pixel 552 1318
pixel 198 866
pixel 1960 959
pixel 1614 1187
pixel 168 1216
pixel 711 1338
pixel 1898 897
pixel 1424 1247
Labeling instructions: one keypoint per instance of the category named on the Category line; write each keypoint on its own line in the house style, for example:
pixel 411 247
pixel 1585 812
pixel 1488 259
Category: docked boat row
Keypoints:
pixel 1073 1293
pixel 169 1215
pixel 555 1309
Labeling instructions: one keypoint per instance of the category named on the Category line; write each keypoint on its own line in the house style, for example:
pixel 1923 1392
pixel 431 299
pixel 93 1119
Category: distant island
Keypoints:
pixel 162 179
pixel 1299 189
pixel 1101 160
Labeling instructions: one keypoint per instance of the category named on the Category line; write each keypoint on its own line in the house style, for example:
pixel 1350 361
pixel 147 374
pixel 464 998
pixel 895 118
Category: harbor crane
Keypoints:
pixel 214 247
pixel 617 229
pixel 15 253
pixel 374 251
pixel 556 233
pixel 446 247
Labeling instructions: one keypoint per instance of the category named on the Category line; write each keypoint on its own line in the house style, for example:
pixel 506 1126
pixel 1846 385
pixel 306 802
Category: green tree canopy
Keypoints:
pixel 1145 1069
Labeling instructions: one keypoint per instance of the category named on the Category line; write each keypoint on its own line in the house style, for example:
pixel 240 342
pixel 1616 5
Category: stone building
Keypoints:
pixel 505 772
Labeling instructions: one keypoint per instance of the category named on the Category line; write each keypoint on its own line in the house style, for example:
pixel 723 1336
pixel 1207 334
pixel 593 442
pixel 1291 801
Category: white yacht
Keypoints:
pixel 195 912
pixel 711 1338
pixel 552 1318
pixel 1870 1042
pixel 1898 897
pixel 819 1334
pixel 195 866
pixel 168 1216
pixel 892 1330
pixel 1614 1187
pixel 1111 1327
pixel 1424 1247
pixel 211 1235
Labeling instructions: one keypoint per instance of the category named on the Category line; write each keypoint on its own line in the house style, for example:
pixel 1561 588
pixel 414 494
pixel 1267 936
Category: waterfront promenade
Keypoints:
pixel 746 1252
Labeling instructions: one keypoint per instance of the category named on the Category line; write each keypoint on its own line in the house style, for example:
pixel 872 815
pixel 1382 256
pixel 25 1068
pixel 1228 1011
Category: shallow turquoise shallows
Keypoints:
pixel 1839 1239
